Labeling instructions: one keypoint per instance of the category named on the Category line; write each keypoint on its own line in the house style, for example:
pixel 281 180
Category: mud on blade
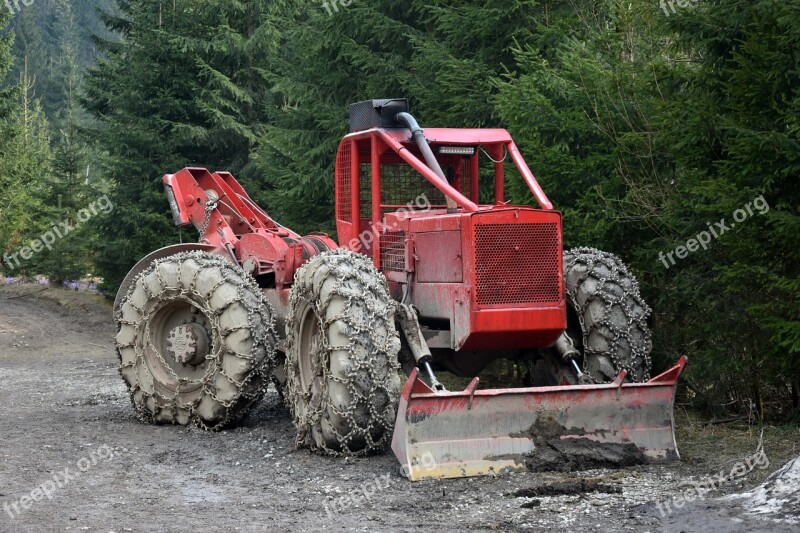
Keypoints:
pixel 482 432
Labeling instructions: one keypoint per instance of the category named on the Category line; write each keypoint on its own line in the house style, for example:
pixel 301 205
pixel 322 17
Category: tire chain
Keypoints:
pixel 261 370
pixel 353 285
pixel 208 210
pixel 591 258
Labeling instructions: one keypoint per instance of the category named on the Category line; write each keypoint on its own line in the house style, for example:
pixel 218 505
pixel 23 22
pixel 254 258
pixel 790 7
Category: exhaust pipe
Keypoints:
pixel 419 137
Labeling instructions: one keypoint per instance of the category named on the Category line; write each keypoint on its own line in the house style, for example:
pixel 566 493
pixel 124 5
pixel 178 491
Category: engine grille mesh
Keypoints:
pixel 344 194
pixel 517 264
pixel 393 251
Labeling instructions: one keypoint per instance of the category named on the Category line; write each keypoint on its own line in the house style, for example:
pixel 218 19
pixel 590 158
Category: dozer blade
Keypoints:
pixel 483 432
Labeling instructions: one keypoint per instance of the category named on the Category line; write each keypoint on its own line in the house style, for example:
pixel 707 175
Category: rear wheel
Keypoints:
pixel 607 321
pixel 196 341
pixel 343 383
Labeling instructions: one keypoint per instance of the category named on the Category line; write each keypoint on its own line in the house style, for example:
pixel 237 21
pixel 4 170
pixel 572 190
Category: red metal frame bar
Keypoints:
pixel 377 215
pixel 427 173
pixel 528 176
pixel 355 188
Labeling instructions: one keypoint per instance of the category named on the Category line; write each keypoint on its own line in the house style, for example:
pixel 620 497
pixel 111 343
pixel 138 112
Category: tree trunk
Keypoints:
pixel 759 400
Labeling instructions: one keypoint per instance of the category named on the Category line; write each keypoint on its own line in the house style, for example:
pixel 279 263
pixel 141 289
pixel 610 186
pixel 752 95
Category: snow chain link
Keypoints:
pixel 371 363
pixel 209 208
pixel 590 257
pixel 261 357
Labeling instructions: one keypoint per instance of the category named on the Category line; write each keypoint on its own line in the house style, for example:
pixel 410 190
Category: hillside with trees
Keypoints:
pixel 645 126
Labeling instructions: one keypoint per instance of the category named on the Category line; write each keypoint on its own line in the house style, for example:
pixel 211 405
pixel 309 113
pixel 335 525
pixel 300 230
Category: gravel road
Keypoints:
pixel 74 458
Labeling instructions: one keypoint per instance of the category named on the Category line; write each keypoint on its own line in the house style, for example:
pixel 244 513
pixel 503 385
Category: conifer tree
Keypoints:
pixel 25 160
pixel 182 86
pixel 6 62
pixel 736 135
pixel 69 189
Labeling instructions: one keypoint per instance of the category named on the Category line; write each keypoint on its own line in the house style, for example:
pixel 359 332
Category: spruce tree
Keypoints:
pixel 7 135
pixel 6 62
pixel 69 190
pixel 183 85
pixel 742 146
pixel 25 160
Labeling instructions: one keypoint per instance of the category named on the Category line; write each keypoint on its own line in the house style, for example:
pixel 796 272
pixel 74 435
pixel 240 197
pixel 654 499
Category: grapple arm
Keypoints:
pixel 229 221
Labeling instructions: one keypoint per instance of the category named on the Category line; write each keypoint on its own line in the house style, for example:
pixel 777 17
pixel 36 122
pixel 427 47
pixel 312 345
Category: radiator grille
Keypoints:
pixel 517 264
pixel 393 251
pixel 344 194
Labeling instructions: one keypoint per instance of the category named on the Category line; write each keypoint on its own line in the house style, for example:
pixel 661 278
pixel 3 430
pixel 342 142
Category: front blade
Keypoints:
pixel 482 432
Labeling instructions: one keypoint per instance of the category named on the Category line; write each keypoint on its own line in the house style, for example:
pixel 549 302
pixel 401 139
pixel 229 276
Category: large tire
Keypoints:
pixel 341 360
pixel 196 341
pixel 607 320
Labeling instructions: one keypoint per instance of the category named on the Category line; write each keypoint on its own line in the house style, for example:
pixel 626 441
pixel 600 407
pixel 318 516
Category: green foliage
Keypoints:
pixel 50 50
pixel 68 192
pixel 183 84
pixel 6 93
pixel 754 150
pixel 52 39
pixel 642 128
pixel 24 166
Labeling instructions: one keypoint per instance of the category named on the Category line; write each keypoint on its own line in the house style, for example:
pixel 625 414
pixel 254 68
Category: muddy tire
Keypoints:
pixel 196 341
pixel 341 360
pixel 607 320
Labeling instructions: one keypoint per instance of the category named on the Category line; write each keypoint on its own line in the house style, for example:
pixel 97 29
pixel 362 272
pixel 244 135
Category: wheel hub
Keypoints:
pixel 188 344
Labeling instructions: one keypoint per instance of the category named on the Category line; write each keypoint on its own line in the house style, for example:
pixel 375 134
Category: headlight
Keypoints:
pixel 176 210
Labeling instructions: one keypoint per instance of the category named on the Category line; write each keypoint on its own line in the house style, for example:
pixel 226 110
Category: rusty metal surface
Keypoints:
pixel 481 432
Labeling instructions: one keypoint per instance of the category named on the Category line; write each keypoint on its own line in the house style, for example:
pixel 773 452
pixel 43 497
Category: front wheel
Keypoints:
pixel 341 361
pixel 196 341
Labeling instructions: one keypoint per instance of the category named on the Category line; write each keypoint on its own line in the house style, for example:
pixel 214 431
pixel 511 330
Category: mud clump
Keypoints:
pixel 558 455
pixel 554 454
pixel 568 487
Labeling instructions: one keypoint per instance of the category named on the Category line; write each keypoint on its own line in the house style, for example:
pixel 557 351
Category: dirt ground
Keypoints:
pixel 63 406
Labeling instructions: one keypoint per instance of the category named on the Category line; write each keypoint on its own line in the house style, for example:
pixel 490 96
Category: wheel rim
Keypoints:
pixel 341 348
pixel 175 321
pixel 310 342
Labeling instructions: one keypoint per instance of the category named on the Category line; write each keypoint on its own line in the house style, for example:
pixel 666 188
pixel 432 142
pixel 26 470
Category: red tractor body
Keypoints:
pixel 473 279
pixel 489 275
pixel 492 272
